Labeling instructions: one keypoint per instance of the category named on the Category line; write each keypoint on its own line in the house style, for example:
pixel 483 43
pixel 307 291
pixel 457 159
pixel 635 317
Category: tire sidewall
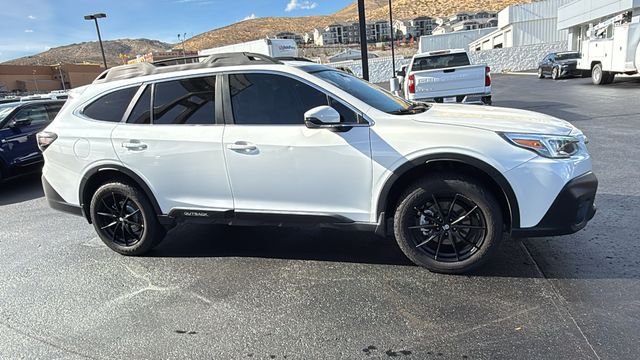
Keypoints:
pixel 597 74
pixel 152 230
pixel 540 73
pixel 555 73
pixel 419 193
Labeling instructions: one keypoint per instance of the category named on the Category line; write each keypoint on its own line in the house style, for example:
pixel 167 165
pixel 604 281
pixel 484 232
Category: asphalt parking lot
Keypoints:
pixel 267 293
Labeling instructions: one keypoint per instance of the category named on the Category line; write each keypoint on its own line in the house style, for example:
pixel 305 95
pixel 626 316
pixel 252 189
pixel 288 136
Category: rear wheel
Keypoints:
pixel 540 73
pixel 608 77
pixel 555 73
pixel 124 219
pixel 448 224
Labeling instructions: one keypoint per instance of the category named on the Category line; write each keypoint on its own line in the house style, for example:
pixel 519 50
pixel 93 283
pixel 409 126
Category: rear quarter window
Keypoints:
pixel 112 106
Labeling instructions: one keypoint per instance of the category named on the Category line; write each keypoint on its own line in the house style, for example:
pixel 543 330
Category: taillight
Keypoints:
pixel 45 139
pixel 412 84
pixel 487 76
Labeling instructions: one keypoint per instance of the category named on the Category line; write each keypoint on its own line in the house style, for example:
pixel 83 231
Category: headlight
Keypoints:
pixel 551 146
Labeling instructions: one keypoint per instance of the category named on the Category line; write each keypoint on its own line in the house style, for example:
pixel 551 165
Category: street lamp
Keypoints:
pixel 95 18
pixel 363 40
pixel 394 85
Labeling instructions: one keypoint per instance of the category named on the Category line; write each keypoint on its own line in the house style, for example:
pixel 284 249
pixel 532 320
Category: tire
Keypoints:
pixel 597 75
pixel 555 73
pixel 540 73
pixel 609 77
pixel 440 246
pixel 124 219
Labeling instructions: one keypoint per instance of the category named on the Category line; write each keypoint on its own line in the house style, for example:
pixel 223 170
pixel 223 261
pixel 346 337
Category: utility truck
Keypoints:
pixel 611 47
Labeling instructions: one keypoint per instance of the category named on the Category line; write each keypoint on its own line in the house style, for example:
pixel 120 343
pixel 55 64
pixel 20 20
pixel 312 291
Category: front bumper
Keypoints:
pixel 570 70
pixel 571 210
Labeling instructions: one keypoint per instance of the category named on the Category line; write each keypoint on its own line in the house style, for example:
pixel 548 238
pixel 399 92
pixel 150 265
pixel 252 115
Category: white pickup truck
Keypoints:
pixel 446 76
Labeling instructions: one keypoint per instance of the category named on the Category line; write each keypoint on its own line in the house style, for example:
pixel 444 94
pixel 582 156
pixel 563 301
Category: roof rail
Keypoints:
pixel 131 71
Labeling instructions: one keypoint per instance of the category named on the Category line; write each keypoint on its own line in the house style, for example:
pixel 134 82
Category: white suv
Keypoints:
pixel 246 139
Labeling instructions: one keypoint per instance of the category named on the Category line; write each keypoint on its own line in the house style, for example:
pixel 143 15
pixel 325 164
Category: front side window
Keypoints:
pixel 269 99
pixel 185 101
pixel 37 114
pixel 111 107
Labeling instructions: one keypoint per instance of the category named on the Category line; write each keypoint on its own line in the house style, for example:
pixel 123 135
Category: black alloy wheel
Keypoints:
pixel 120 219
pixel 124 219
pixel 448 223
pixel 448 228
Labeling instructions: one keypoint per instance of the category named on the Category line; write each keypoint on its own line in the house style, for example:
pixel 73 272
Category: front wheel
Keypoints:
pixel 124 219
pixel 448 223
pixel 597 75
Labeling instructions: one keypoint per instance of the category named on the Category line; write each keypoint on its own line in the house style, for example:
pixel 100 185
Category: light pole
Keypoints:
pixel 95 18
pixel 64 87
pixel 363 40
pixel 394 85
pixel 35 81
pixel 184 51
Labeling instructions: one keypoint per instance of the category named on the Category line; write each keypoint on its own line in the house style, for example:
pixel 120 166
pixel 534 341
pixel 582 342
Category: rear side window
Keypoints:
pixel 141 113
pixel 186 101
pixel 440 61
pixel 111 107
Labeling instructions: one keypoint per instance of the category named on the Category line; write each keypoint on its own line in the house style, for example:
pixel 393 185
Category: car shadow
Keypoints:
pixel 21 189
pixel 317 244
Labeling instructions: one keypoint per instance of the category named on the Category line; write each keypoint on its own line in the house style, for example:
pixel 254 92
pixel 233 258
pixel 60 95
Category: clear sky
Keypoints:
pixel 31 26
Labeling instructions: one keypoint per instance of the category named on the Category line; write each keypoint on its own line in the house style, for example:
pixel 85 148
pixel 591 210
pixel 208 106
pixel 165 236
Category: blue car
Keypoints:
pixel 19 124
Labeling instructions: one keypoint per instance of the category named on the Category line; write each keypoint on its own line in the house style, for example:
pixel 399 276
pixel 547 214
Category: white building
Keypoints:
pixel 465 21
pixel 524 24
pixel 581 18
pixel 453 40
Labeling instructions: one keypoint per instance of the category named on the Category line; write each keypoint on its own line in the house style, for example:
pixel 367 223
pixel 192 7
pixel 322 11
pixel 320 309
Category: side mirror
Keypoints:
pixel 322 117
pixel 401 73
pixel 20 122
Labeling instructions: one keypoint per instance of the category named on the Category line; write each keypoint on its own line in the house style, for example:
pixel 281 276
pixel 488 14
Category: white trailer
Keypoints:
pixel 607 35
pixel 276 48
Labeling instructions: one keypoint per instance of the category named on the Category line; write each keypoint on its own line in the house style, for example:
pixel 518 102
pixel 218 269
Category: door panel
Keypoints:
pixel 18 144
pixel 176 146
pixel 277 164
pixel 296 169
pixel 183 165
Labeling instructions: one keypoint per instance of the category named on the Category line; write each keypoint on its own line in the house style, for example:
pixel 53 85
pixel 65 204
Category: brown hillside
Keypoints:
pixel 376 9
pixel 89 52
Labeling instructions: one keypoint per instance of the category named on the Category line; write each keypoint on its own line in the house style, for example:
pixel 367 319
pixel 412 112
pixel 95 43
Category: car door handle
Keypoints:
pixel 134 145
pixel 242 146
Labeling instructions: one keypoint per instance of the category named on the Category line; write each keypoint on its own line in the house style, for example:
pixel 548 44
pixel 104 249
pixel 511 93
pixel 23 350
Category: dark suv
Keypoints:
pixel 19 124
pixel 559 65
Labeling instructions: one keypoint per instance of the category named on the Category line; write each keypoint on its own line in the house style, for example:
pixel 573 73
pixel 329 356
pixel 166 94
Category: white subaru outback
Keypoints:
pixel 245 139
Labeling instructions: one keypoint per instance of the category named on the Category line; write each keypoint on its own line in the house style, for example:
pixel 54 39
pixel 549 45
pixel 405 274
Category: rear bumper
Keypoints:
pixel 57 202
pixel 570 212
pixel 484 98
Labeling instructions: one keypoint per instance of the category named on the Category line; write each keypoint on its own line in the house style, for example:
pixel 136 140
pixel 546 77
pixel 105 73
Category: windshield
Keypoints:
pixel 5 110
pixel 368 93
pixel 567 56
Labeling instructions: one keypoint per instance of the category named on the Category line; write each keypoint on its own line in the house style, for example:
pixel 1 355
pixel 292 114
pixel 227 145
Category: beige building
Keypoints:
pixel 45 78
